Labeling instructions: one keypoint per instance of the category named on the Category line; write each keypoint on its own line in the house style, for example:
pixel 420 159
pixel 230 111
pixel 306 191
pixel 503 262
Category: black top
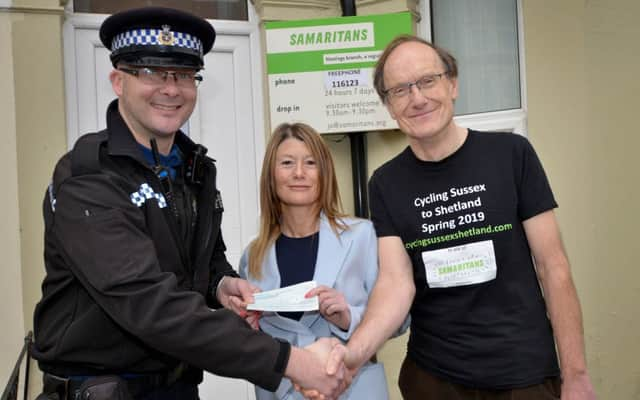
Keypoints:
pixel 296 259
pixel 493 332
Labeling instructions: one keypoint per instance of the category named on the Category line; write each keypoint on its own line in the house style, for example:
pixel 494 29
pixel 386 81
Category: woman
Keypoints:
pixel 304 236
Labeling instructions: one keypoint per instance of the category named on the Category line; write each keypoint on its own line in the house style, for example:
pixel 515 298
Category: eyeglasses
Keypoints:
pixel 424 83
pixel 151 76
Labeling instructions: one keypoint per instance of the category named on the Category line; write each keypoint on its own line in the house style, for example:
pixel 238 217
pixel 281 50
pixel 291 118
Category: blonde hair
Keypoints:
pixel 271 206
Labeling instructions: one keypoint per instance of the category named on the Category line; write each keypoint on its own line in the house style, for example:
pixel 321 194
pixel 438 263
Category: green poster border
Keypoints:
pixel 386 27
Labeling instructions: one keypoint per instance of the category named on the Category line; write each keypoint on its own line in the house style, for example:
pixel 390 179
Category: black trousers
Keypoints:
pixel 417 384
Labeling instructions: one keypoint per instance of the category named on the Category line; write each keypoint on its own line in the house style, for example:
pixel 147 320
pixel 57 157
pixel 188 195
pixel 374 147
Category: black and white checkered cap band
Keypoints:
pixel 142 37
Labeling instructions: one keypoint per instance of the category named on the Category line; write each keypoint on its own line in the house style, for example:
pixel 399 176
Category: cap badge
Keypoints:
pixel 165 37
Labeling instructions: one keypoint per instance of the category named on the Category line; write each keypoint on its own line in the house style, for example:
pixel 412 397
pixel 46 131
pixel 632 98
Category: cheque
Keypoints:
pixel 289 298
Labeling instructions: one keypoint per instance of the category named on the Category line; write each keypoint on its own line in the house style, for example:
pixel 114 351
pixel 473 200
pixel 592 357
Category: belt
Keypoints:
pixel 68 388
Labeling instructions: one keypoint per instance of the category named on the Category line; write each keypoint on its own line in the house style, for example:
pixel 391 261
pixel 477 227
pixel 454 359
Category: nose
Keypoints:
pixel 415 90
pixel 416 93
pixel 170 84
pixel 298 171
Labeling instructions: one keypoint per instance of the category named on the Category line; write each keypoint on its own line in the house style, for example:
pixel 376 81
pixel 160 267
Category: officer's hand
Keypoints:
pixel 319 366
pixel 235 294
pixel 338 358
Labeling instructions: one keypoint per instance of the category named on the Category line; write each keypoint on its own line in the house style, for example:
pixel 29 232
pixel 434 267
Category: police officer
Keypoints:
pixel 134 255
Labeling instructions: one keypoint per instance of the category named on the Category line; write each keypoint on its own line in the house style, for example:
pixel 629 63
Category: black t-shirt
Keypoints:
pixel 480 319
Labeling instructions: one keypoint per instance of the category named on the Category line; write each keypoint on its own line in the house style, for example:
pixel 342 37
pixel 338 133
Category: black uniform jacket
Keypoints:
pixel 122 294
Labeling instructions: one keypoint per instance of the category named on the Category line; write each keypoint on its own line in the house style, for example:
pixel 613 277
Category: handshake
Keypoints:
pixel 319 371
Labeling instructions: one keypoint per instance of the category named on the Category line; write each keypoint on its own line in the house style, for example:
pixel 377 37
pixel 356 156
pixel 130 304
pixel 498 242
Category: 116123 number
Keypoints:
pixel 344 83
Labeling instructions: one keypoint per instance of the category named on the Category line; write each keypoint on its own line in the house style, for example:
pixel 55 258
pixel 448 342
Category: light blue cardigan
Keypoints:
pixel 347 262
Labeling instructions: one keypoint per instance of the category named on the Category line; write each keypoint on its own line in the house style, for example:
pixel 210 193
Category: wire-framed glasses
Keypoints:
pixel 425 83
pixel 151 76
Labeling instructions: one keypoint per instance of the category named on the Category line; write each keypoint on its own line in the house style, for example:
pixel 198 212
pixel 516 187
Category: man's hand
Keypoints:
pixel 235 294
pixel 563 306
pixel 577 387
pixel 333 306
pixel 307 368
pixel 339 356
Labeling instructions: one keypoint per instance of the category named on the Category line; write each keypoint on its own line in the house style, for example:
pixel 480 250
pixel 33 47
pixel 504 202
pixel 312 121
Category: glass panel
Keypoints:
pixel 483 36
pixel 210 9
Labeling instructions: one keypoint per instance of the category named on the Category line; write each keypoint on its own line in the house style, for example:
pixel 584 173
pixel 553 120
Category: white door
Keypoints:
pixel 228 120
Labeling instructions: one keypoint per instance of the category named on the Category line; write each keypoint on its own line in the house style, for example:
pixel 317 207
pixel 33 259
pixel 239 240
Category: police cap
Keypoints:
pixel 158 37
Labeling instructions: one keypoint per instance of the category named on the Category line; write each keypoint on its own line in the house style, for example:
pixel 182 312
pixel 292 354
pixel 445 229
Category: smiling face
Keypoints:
pixel 427 114
pixel 151 110
pixel 296 175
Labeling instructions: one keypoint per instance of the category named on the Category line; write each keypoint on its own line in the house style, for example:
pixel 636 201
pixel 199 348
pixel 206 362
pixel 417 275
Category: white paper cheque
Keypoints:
pixel 290 298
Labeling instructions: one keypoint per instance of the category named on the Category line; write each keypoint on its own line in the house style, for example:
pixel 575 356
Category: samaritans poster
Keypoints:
pixel 320 71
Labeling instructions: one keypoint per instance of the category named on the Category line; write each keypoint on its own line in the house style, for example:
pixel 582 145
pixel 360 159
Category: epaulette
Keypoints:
pixel 85 156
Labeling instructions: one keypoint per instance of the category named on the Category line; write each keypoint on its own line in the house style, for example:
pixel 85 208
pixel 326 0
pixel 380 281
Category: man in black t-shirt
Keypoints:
pixel 459 216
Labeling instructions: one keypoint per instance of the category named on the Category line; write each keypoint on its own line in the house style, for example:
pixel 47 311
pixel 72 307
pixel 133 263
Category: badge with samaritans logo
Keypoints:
pixel 166 36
